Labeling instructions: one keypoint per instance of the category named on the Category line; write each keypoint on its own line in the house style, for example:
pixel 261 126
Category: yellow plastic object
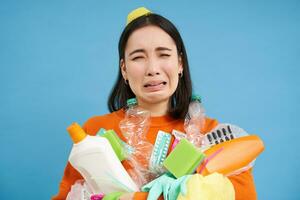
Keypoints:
pixel 76 132
pixel 213 187
pixel 137 13
pixel 232 155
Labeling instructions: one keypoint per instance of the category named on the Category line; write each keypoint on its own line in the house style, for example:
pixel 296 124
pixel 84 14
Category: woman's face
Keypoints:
pixel 151 65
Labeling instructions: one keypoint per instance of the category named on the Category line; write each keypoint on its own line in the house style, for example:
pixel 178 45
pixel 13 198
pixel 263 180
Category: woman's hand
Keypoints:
pixel 127 196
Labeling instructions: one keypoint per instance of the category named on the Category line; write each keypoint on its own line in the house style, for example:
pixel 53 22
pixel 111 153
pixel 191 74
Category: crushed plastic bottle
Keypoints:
pixel 194 121
pixel 134 127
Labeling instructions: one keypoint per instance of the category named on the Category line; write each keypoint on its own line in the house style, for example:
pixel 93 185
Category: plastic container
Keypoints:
pixel 134 127
pixel 222 133
pixel 233 156
pixel 194 121
pixel 94 158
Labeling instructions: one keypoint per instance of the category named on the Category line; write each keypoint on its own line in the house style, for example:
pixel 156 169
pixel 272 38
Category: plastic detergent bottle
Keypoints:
pixel 194 121
pixel 96 161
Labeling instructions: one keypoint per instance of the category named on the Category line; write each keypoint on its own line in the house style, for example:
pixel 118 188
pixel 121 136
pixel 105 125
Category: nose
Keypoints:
pixel 152 68
pixel 152 74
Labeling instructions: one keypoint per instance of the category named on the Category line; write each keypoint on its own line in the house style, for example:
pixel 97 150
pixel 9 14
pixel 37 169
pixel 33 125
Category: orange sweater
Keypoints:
pixel 243 183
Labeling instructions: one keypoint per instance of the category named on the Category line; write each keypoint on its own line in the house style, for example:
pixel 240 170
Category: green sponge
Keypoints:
pixel 184 159
pixel 116 144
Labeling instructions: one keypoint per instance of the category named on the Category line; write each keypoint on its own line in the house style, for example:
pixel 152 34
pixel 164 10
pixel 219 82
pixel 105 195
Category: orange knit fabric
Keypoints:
pixel 243 183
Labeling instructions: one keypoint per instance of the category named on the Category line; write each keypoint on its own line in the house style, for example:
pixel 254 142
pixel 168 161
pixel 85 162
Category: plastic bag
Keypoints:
pixel 79 191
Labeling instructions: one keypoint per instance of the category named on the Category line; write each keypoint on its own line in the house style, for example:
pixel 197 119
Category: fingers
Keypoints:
pixel 155 192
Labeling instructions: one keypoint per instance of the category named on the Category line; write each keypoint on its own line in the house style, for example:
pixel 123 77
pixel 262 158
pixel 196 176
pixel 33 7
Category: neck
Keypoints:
pixel 156 109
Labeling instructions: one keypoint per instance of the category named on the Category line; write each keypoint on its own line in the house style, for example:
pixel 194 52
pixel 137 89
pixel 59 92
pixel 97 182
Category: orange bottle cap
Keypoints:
pixel 76 132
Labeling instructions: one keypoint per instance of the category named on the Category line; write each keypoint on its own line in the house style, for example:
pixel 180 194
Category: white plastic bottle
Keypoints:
pixel 96 161
pixel 194 121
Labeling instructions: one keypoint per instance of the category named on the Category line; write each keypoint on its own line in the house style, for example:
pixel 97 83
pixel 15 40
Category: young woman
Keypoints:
pixel 154 69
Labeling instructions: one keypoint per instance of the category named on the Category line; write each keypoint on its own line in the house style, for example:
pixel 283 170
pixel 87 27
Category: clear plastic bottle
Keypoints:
pixel 194 121
pixel 134 127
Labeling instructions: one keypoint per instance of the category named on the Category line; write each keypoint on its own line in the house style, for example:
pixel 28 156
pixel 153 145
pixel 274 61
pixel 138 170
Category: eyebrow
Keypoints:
pixel 156 49
pixel 163 49
pixel 137 51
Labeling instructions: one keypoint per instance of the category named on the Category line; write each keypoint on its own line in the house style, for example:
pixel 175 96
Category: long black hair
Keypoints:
pixel 121 91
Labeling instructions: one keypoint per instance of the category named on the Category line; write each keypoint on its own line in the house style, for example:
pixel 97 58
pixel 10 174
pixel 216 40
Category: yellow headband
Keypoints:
pixel 137 13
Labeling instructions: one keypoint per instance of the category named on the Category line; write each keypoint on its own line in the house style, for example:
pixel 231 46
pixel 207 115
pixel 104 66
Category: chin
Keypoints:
pixel 156 97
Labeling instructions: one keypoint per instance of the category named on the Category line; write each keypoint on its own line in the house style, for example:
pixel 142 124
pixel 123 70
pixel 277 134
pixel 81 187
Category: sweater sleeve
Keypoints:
pixel 244 186
pixel 69 178
pixel 243 183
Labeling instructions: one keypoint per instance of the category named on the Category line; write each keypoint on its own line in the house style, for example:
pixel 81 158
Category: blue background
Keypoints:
pixel 59 59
